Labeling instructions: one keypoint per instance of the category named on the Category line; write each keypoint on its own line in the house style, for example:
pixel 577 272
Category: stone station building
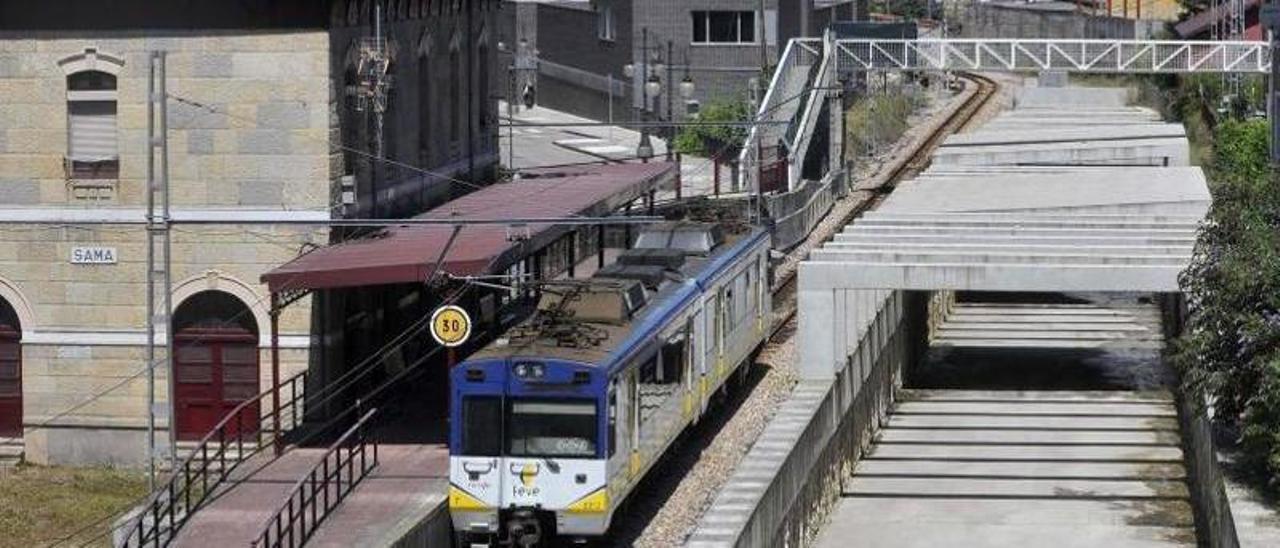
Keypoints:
pixel 262 101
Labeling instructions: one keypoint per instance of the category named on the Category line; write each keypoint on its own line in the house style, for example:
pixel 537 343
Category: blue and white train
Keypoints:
pixel 554 424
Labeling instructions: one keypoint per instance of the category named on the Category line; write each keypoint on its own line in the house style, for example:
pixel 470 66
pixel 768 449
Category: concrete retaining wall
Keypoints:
pixel 433 531
pixel 1215 526
pixel 1019 20
pixel 791 478
pixel 794 214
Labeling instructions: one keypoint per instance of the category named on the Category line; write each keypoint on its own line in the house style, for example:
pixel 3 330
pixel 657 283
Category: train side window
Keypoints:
pixel 674 351
pixel 731 305
pixel 479 415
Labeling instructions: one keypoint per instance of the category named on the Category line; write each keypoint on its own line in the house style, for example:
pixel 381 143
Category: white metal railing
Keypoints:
pixel 823 85
pixel 1098 56
pixel 779 103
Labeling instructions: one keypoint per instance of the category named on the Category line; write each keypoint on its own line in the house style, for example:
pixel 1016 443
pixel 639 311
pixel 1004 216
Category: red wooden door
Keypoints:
pixel 10 382
pixel 217 370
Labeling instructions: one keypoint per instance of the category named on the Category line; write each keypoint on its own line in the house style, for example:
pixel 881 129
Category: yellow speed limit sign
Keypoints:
pixel 450 325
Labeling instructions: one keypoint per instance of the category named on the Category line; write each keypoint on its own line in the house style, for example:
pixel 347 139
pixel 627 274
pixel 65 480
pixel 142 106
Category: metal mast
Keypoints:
pixel 1235 31
pixel 373 90
pixel 159 297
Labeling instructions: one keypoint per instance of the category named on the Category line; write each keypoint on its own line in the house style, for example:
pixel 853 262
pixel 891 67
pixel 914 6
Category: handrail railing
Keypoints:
pixel 800 132
pixel 191 483
pixel 299 517
pixel 1056 54
pixel 770 109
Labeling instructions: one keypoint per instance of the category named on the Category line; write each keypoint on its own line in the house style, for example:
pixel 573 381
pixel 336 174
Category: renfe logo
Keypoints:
pixel 526 474
pixel 93 255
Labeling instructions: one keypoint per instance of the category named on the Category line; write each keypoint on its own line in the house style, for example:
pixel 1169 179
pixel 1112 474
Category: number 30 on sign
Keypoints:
pixel 450 325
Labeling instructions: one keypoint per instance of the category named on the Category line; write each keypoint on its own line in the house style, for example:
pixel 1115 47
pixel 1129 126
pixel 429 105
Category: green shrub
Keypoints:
pixel 877 121
pixel 1230 348
pixel 707 140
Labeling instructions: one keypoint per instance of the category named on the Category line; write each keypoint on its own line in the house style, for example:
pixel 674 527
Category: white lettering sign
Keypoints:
pixel 93 255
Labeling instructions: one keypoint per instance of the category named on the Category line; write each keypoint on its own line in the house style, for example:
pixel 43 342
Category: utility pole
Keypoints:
pixel 159 297
pixel 671 129
pixel 1269 13
pixel 372 93
pixel 645 149
pixel 764 46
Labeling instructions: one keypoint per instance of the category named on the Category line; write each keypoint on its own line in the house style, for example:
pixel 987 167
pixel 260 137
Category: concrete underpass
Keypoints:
pixel 1028 424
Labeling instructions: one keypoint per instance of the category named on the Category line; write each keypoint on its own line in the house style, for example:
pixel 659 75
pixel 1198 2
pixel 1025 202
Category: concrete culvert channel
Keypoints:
pixel 1036 421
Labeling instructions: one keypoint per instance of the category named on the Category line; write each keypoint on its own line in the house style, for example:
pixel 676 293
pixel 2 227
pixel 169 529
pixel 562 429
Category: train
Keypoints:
pixel 556 422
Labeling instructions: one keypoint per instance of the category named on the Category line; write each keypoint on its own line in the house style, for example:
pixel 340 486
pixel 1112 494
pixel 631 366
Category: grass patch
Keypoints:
pixel 875 122
pixel 41 504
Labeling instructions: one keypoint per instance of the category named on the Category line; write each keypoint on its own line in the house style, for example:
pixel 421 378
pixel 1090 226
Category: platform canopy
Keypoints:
pixel 408 254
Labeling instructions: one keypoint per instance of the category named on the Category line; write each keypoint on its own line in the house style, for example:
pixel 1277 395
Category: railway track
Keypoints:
pixel 957 121
pixel 646 522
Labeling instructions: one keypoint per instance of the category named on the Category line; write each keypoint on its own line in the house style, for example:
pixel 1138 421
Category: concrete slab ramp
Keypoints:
pixel 1020 468
pixel 1058 97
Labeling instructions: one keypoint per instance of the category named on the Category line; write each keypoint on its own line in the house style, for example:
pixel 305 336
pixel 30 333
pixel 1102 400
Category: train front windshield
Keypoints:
pixel 547 428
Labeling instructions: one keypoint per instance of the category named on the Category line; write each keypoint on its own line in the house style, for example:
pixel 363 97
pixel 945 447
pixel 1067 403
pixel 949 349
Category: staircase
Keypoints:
pixel 780 109
pixel 11 451
pixel 1025 468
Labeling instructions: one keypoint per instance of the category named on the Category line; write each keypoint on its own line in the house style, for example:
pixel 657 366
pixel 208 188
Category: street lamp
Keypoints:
pixel 653 86
pixel 652 73
pixel 686 87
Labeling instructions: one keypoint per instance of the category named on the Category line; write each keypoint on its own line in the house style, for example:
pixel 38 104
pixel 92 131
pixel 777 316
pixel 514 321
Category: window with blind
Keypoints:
pixel 92 143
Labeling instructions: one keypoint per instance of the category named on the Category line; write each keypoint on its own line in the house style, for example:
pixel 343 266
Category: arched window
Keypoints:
pixel 350 116
pixel 92 144
pixel 486 96
pixel 424 108
pixel 456 76
pixel 338 17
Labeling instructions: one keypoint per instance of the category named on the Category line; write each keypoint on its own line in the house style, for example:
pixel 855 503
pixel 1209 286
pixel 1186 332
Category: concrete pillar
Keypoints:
pixel 816 310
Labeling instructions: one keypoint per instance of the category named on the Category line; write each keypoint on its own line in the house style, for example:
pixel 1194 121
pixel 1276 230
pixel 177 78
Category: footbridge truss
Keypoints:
pixel 1087 56
pixel 808 72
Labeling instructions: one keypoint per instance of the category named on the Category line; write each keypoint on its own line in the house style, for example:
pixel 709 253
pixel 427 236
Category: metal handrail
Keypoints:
pixel 162 507
pixel 771 103
pixel 299 516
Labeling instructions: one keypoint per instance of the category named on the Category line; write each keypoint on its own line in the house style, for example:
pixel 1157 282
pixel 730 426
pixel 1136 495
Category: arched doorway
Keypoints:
pixel 215 363
pixel 10 372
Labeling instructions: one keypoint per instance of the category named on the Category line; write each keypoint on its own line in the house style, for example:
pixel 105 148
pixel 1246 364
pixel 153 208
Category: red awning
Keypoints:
pixel 407 254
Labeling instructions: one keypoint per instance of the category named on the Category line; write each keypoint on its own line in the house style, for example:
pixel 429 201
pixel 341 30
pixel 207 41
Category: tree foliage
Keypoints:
pixel 715 139
pixel 1230 348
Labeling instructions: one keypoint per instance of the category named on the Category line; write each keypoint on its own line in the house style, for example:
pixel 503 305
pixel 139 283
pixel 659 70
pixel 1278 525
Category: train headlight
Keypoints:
pixel 530 370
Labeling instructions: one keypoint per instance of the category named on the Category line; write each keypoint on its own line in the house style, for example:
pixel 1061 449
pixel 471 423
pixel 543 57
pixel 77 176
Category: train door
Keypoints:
pixel 690 406
pixel 761 294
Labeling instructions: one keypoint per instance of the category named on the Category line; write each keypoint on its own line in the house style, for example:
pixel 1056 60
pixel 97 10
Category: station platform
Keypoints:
pixel 402 500
pixel 404 497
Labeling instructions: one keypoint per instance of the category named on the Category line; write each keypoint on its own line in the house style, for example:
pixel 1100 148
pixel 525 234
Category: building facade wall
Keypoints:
pixel 566 38
pixel 249 123
pixel 420 37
